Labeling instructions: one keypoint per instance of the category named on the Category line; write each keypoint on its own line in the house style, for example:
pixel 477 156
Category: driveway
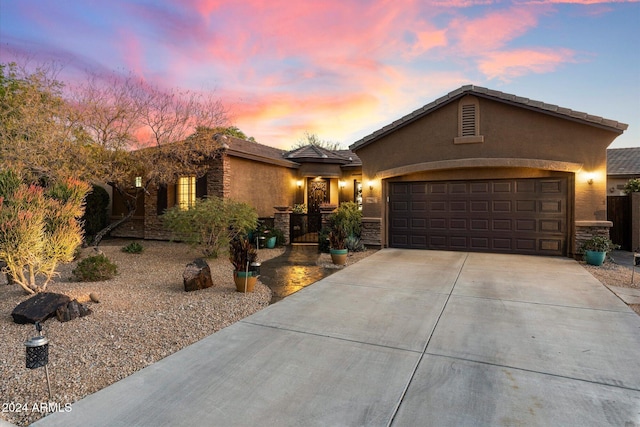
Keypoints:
pixel 403 338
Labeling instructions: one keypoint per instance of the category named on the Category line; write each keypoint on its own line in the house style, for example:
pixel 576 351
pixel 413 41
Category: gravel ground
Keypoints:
pixel 144 315
pixel 611 274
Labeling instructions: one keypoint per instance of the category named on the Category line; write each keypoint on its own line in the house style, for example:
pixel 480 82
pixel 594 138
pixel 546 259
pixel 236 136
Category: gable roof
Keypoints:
pixel 495 95
pixel 623 161
pixel 255 151
pixel 315 154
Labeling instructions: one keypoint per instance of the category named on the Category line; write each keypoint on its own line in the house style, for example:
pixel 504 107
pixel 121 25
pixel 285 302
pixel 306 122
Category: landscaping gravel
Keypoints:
pixel 143 315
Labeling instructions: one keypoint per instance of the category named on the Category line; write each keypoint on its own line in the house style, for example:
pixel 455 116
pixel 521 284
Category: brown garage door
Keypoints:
pixel 527 216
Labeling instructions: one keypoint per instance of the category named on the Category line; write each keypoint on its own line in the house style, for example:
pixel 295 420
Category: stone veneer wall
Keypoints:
pixel 372 232
pixel 588 229
pixel 219 177
pixel 282 221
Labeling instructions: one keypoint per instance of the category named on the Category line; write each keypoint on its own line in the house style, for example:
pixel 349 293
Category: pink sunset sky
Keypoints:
pixel 343 69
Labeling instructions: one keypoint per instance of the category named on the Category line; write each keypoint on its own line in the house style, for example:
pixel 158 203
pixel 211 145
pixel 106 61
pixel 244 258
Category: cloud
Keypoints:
pixel 491 31
pixel 508 65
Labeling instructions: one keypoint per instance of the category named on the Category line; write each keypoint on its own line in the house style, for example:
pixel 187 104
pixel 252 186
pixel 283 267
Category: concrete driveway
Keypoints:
pixel 403 338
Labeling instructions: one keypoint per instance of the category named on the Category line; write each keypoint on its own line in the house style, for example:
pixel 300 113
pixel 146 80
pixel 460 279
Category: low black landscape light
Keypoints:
pixel 255 268
pixel 37 353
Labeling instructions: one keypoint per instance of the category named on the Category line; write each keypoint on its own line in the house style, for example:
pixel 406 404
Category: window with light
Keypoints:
pixel 186 192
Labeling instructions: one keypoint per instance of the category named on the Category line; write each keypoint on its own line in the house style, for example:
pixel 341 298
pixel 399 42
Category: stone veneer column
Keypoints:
pixel 372 232
pixel 588 229
pixel 282 222
pixel 219 177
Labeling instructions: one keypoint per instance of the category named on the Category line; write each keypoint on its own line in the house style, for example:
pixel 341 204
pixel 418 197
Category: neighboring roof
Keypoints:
pixel 254 151
pixel 495 95
pixel 315 154
pixel 623 161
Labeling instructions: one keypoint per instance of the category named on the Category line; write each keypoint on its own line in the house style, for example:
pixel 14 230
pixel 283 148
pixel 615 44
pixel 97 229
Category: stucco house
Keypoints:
pixel 623 210
pixel 483 170
pixel 623 164
pixel 262 176
pixel 475 170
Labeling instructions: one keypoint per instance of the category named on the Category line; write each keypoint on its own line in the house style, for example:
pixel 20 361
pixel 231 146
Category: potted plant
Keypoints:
pixel 596 248
pixel 337 245
pixel 242 254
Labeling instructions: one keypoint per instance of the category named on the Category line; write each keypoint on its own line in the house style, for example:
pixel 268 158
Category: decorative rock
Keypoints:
pixel 197 275
pixel 39 307
pixel 94 297
pixel 72 310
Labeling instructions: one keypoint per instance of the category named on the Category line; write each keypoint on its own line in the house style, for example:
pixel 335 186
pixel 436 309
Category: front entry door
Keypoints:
pixel 318 194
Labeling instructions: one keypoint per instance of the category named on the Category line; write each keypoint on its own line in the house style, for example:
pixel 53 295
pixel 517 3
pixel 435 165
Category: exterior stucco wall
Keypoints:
pixel 510 133
pixel 261 185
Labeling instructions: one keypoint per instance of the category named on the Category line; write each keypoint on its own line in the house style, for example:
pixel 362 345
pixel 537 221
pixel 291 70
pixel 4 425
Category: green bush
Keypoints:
pixel 211 223
pixel 95 268
pixel 95 214
pixel 348 217
pixel 133 248
pixel 632 186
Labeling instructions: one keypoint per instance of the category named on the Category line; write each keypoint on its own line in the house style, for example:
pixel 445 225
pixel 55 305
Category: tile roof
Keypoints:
pixel 623 161
pixel 256 151
pixel 315 154
pixel 498 96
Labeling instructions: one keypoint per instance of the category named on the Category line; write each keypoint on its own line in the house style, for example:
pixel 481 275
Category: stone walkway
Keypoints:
pixel 293 270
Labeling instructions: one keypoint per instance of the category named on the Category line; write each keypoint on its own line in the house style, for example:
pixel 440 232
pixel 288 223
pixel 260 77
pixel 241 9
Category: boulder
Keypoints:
pixel 39 307
pixel 71 311
pixel 197 275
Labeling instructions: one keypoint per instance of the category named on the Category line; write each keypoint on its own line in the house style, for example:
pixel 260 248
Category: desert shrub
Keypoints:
pixel 133 248
pixel 95 268
pixel 354 244
pixel 349 217
pixel 95 216
pixel 39 228
pixel 211 223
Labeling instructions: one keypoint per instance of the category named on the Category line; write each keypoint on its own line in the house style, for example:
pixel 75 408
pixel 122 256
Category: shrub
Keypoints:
pixel 39 228
pixel 349 217
pixel 354 244
pixel 599 244
pixel 632 186
pixel 133 248
pixel 95 268
pixel 95 216
pixel 211 223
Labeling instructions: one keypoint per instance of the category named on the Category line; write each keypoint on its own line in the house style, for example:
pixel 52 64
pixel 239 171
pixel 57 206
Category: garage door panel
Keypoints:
pixel 525 186
pixel 525 225
pixel 554 186
pixel 526 245
pixel 551 206
pixel 526 206
pixel 526 215
pixel 479 188
pixel 459 224
pixel 479 225
pixel 502 187
pixel 479 206
pixel 502 206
